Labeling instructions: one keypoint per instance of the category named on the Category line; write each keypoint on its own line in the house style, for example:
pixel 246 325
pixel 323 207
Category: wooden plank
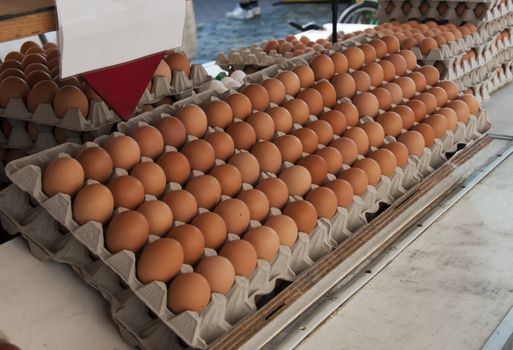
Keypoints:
pixel 249 326
pixel 14 8
pixel 23 26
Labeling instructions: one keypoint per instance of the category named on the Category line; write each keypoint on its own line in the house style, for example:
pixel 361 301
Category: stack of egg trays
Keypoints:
pixel 181 86
pixel 47 240
pixel 494 9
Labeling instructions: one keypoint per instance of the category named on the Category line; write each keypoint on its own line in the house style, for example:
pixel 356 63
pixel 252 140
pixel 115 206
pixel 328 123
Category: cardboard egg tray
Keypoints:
pixel 100 116
pixel 48 241
pixel 181 86
pixel 494 10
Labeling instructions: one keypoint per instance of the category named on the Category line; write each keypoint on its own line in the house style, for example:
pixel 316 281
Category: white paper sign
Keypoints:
pixel 95 34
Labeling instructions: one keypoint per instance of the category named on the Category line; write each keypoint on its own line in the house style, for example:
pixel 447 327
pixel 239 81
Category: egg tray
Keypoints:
pixel 48 242
pixel 181 86
pixel 19 137
pixel 100 117
pixel 494 10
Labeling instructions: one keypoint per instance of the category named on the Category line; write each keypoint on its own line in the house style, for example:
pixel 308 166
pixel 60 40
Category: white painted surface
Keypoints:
pixel 44 305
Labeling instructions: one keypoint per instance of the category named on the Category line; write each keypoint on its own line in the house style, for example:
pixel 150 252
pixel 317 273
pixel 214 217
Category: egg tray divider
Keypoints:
pixel 100 117
pixel 180 87
pixel 19 137
pixel 47 242
pixel 491 13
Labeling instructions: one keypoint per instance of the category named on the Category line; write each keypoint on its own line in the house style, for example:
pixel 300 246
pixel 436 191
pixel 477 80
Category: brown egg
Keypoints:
pixel 159 216
pixel 380 46
pixel 68 97
pixel 268 156
pixel 200 153
pixel 324 200
pixel 386 160
pixel 369 52
pixel 128 191
pixel 350 111
pixel 388 70
pixel 367 104
pixel 192 241
pixel 263 125
pixel 408 43
pixel 235 214
pixel 407 85
pixel 328 93
pixel 313 99
pixel 336 120
pixel 176 167
pixel 431 73
pixel 357 178
pixel 340 62
pixel 62 175
pixel 258 96
pixel 375 72
pixel 247 165
pixel 206 189
pixel 414 142
pixel 347 148
pixel 426 45
pixel 298 110
pixel 400 152
pixel 371 169
pixel 419 79
pixel 429 101
pixel 96 163
pixel 393 44
pixel 291 82
pixel 439 124
pixel 219 273
pixel 222 143
pixel 13 72
pixel 229 177
pixel 308 138
pixel 384 98
pixel 360 137
pixel 257 202
pixel 316 166
pixel 182 203
pixel 179 62
pixel 343 191
pixel 194 119
pixel 355 57
pixel 392 122
pixel 276 191
pixel 172 130
pixel 285 227
pixel 219 113
pixel 42 92
pixel 242 255
pixel 281 117
pixel 471 102
pixel 427 133
pixel 160 260
pixel 124 151
pixel 303 213
pixel 323 67
pixel 275 89
pixel 149 139
pixel 362 80
pixel 33 58
pixel 332 157
pixel 461 108
pixel 290 147
pixel 12 87
pixel 440 95
pixel 419 109
pixel 14 55
pixel 411 59
pixel 240 105
pixel 450 88
pixel 243 135
pixel 188 292
pixel 93 203
pixel 35 77
pixel 396 93
pixel 265 240
pixel 305 74
pixel 450 116
pixel 213 228
pixel 323 130
pixel 344 84
pixel 128 230
pixel 297 178
pixel 375 133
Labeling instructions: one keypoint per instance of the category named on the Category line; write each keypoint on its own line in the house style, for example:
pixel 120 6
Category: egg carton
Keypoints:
pixel 100 117
pixel 49 242
pixel 19 137
pixel 491 12
pixel 180 87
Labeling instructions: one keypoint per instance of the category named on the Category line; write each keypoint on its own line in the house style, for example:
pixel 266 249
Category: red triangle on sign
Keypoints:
pixel 122 86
